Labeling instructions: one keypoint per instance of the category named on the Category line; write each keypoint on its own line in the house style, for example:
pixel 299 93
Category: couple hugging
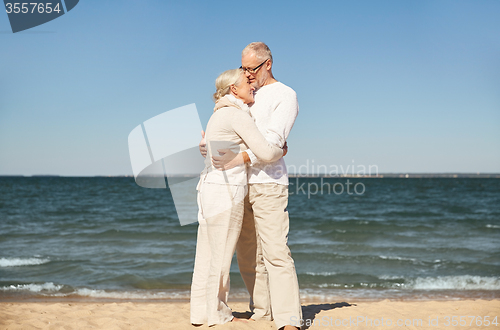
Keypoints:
pixel 243 196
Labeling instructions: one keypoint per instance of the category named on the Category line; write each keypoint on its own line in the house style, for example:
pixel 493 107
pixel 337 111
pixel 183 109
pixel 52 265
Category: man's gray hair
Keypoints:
pixel 260 49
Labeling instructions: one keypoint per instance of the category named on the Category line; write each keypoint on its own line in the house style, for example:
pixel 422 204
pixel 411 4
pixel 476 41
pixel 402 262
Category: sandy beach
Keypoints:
pixel 175 315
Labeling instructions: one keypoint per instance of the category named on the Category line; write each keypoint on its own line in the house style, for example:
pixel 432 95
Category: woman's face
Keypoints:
pixel 244 91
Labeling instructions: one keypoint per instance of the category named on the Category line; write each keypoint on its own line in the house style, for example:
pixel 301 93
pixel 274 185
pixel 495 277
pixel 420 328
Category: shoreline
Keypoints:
pixel 241 297
pixel 423 297
pixel 238 294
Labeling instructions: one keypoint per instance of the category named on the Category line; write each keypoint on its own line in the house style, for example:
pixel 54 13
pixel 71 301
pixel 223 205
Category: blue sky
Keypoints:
pixel 408 86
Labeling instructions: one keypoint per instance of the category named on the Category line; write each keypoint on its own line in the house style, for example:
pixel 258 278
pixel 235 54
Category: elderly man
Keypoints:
pixel 264 258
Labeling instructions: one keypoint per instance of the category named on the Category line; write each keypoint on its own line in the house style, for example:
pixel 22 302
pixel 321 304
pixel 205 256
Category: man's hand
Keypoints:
pixel 227 159
pixel 203 145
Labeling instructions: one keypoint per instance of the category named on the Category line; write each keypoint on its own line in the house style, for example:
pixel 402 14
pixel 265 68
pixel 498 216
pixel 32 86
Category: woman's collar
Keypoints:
pixel 238 102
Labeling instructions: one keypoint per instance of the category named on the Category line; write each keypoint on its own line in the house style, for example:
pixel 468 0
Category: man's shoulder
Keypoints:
pixel 279 90
pixel 285 88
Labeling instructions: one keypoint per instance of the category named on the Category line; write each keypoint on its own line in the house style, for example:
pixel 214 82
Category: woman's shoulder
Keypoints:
pixel 228 116
pixel 227 112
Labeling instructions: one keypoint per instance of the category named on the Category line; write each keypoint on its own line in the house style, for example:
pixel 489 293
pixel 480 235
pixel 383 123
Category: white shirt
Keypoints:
pixel 275 110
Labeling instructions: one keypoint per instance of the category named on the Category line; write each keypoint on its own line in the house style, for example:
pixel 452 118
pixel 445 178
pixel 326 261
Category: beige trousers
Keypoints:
pixel 264 258
pixel 220 217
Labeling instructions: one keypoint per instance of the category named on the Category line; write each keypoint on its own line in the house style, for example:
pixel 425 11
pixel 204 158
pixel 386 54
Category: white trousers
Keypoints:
pixel 220 217
pixel 264 258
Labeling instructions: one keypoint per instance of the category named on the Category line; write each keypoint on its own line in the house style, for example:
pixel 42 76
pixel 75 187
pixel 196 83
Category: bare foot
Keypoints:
pixel 289 327
pixel 235 319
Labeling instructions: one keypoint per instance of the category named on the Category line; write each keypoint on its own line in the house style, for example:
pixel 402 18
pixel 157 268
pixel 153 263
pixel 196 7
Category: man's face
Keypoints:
pixel 257 79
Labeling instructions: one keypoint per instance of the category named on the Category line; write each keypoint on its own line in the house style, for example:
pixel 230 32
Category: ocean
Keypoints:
pixel 359 238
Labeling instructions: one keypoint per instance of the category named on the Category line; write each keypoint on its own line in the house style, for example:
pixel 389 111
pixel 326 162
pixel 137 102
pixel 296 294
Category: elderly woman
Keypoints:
pixel 221 195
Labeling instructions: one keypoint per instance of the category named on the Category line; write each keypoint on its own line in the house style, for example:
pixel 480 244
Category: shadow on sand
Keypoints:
pixel 309 312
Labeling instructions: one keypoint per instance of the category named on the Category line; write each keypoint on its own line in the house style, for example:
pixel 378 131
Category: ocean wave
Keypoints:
pixel 390 277
pixel 402 283
pixel 54 290
pixel 93 293
pixel 48 287
pixel 397 258
pixel 62 291
pixel 141 294
pixel 492 226
pixel 464 282
pixel 321 274
pixel 14 262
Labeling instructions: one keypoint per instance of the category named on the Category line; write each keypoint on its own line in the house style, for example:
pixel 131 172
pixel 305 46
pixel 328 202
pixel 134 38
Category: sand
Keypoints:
pixel 175 315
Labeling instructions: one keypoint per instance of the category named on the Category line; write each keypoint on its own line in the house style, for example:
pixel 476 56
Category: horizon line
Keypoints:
pixel 299 175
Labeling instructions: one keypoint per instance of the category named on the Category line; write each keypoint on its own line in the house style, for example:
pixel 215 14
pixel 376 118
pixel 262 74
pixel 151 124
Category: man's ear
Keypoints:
pixel 269 65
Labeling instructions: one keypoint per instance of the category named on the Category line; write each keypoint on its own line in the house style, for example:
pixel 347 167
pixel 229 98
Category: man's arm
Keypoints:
pixel 281 121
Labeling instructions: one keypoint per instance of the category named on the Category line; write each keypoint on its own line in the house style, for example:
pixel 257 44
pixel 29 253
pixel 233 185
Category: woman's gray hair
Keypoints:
pixel 260 49
pixel 225 80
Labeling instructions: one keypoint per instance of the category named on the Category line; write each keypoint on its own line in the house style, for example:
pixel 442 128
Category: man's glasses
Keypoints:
pixel 254 70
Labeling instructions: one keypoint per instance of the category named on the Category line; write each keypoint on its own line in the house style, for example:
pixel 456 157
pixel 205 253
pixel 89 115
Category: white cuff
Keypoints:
pixel 253 159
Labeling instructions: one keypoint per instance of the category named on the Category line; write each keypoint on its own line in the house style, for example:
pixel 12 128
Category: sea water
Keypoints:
pixel 396 238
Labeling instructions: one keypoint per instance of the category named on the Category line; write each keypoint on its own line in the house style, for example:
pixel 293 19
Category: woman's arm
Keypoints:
pixel 228 159
pixel 245 127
